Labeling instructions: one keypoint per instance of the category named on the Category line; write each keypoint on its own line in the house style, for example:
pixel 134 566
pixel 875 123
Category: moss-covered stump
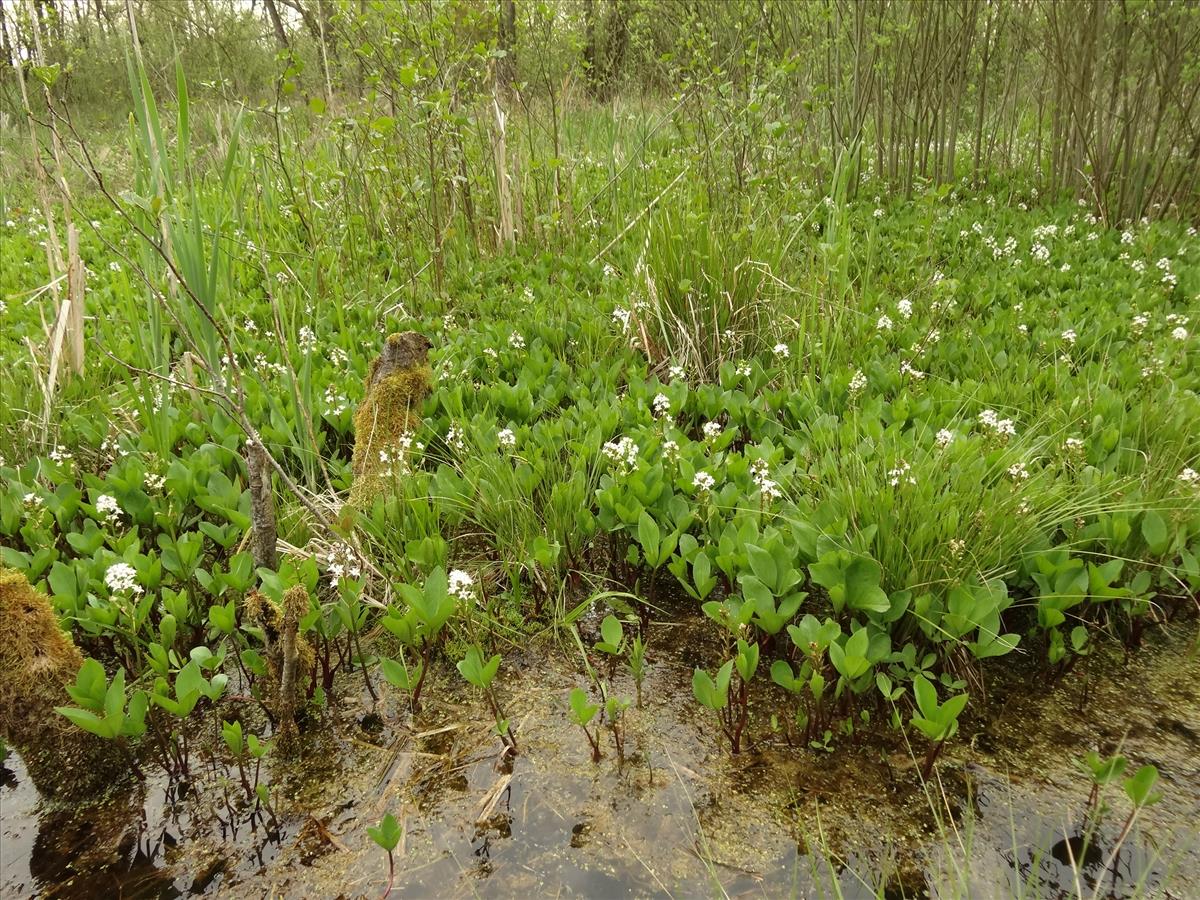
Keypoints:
pixel 37 662
pixel 289 656
pixel 399 381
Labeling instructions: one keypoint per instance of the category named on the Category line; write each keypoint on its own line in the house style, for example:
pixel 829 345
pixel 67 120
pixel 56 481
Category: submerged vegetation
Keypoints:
pixel 419 361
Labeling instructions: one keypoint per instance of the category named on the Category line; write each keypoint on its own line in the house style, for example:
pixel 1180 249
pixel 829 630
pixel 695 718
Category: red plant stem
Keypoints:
pixel 391 875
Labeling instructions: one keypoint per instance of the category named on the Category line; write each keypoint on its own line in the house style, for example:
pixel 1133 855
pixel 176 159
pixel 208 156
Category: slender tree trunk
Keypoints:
pixel 276 23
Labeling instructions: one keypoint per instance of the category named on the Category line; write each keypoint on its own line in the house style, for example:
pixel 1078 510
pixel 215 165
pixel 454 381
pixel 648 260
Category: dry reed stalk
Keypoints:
pixel 506 231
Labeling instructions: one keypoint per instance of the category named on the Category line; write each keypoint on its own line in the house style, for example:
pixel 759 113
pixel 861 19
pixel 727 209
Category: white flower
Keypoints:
pixel 490 352
pixel 904 307
pixel 1073 445
pixel 766 487
pixel 884 323
pixel 1126 237
pixel 623 452
pixel 32 500
pixel 343 563
pixel 1040 252
pixel 1140 321
pixel 455 439
pixel 661 406
pixel 108 507
pixel 676 373
pixel 944 438
pixel 1018 472
pixel 153 482
pixel 60 454
pixel 462 585
pixel 782 351
pixel 114 266
pixel 906 368
pixel 957 547
pixel 506 438
pixel 122 577
pixel 516 341
pixel 1001 427
pixel 1190 477
pixel 620 314
pixel 711 430
pixel 743 370
pixel 307 339
pixel 900 473
pixel 857 382
pixel 670 451
pixel 1069 336
pixel 703 482
pixel 1023 328
pixel 878 213
pixel 1180 333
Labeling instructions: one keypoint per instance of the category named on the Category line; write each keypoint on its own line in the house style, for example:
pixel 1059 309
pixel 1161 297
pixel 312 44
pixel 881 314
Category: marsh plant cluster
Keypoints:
pixel 884 444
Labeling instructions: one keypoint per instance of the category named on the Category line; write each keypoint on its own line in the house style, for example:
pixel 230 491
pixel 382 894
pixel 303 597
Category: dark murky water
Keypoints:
pixel 679 816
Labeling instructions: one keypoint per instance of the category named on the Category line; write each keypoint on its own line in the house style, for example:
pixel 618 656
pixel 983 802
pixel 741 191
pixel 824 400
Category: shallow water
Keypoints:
pixel 679 816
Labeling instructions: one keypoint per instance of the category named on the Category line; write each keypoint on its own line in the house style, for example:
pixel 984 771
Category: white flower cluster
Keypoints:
pixel 343 563
pixel 506 439
pixel 712 430
pixel 782 351
pixel 884 323
pixel 516 341
pixel 1070 336
pixel 1190 477
pixel 703 482
pixel 677 373
pixel 901 474
pixel 107 506
pixel 1001 251
pixel 1018 472
pixel 944 438
pixel 60 454
pixel 661 406
pixel 307 339
pixel 906 368
pixel 122 578
pixel 622 315
pixel 462 585
pixel 335 403
pixel 761 475
pixel 670 451
pixel 455 439
pixel 1139 323
pixel 623 453
pixel 905 308
pixel 1002 428
pixel 743 370
pixel 1169 278
pixel 1073 445
pixel 858 381
pixel 152 481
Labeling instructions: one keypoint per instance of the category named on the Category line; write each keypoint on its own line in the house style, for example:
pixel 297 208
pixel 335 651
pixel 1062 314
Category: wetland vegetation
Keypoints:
pixel 616 447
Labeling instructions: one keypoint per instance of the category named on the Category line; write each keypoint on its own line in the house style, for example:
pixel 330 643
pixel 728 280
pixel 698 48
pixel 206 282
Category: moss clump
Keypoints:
pixel 37 662
pixel 290 658
pixel 399 381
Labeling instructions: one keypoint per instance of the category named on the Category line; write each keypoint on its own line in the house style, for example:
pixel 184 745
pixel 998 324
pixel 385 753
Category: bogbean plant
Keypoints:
pixel 987 445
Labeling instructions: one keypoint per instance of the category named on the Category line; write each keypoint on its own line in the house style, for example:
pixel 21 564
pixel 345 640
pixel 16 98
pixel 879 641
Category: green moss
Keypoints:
pixel 37 662
pixel 390 410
